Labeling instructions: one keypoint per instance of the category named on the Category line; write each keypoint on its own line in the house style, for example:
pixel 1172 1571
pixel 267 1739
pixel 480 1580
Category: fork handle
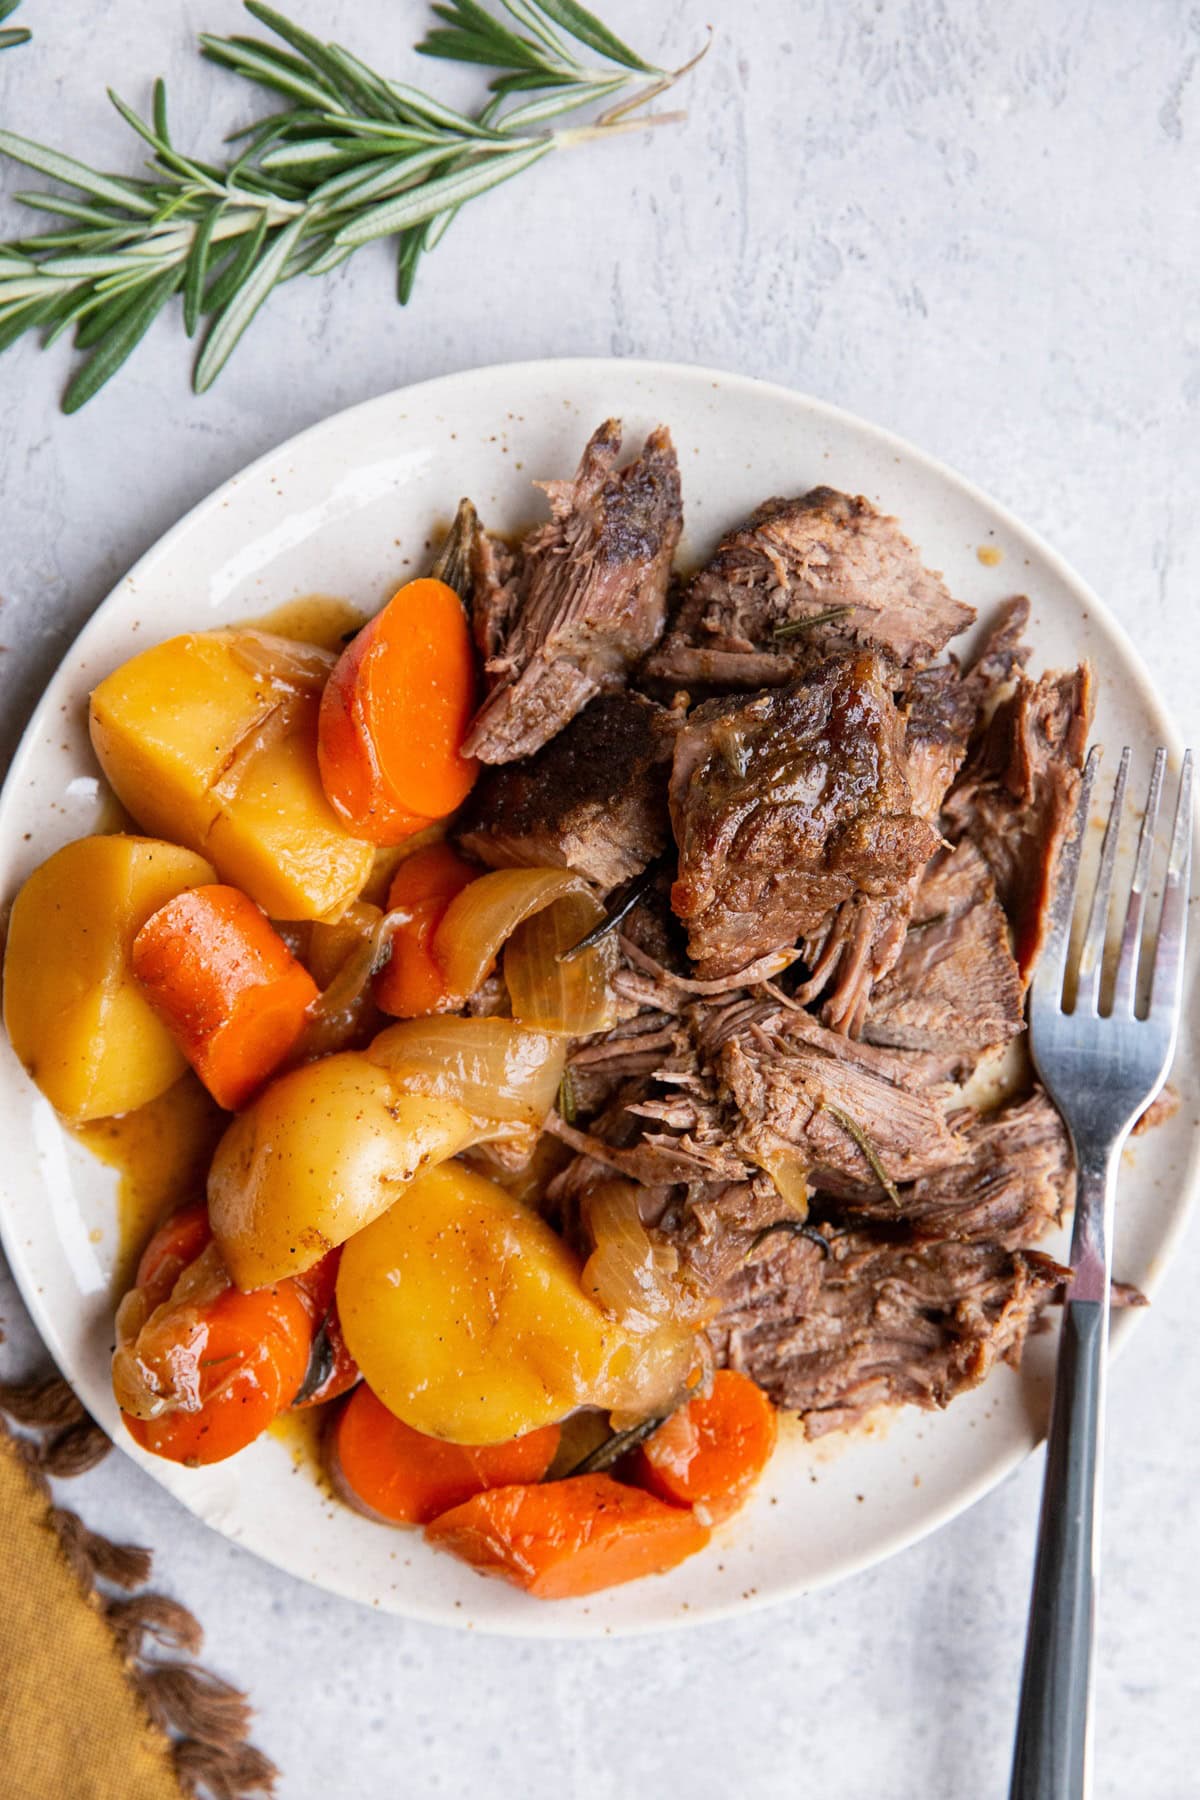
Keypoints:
pixel 1052 1751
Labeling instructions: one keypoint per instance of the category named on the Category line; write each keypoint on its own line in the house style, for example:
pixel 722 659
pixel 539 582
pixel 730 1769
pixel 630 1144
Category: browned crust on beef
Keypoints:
pixel 786 805
pixel 581 601
pixel 593 799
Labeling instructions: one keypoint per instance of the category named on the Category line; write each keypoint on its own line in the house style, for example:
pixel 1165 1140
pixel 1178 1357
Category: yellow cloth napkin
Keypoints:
pixel 99 1696
pixel 72 1725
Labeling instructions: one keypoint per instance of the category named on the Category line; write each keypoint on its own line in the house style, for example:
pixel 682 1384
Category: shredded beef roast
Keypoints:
pixel 581 600
pixel 786 805
pixel 1016 796
pixel 955 988
pixel 760 612
pixel 878 1321
pixel 1014 1182
pixel 593 799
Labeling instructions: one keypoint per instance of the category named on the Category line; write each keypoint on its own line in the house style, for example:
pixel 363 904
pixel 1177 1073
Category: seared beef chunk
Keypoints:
pixel 593 799
pixel 784 806
pixel 760 612
pixel 583 598
pixel 1016 796
pixel 878 1321
pixel 955 988
pixel 1011 1187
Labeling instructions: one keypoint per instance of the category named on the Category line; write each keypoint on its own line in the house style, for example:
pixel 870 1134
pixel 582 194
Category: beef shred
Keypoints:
pixel 583 598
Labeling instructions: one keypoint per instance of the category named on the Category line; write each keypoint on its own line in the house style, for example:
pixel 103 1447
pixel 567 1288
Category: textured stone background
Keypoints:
pixel 975 224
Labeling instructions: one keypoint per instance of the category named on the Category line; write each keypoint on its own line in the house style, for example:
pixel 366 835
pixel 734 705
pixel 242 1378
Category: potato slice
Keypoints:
pixel 464 1312
pixel 322 1152
pixel 211 738
pixel 74 1013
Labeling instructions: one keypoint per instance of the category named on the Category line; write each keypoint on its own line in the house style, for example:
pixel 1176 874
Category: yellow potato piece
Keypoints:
pixel 74 1013
pixel 211 738
pixel 465 1314
pixel 322 1152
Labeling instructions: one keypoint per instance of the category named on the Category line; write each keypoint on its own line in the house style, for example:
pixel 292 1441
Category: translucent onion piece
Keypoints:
pixel 289 665
pixel 573 996
pixel 632 1273
pixel 343 957
pixel 156 1365
pixel 503 1075
pixel 789 1171
pixel 663 1368
pixel 479 920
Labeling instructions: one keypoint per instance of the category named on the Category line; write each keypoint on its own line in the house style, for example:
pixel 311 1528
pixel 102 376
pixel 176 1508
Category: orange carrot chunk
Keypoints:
pixel 391 1472
pixel 712 1451
pixel 226 986
pixel 241 1357
pixel 177 1242
pixel 564 1539
pixel 394 714
pixel 411 983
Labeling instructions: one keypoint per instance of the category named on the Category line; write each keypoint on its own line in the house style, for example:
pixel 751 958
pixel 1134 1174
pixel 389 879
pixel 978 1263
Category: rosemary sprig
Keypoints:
pixel 15 34
pixel 351 156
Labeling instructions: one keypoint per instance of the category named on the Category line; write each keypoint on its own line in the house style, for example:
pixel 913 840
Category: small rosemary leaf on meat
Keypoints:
pixel 855 1130
pixel 793 627
pixel 566 1098
pixel 619 907
pixel 794 1228
pixel 614 1448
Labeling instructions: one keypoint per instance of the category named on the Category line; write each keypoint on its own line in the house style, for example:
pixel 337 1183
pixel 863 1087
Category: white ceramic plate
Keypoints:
pixel 348 509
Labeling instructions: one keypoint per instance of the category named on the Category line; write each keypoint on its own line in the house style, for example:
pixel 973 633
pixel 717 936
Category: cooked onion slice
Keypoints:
pixel 505 1076
pixel 571 996
pixel 633 1273
pixel 138 1359
pixel 480 920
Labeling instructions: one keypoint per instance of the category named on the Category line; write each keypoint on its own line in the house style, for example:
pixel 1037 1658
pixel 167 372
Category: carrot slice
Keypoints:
pixel 712 1451
pixel 394 714
pixel 226 985
pixel 563 1539
pixel 177 1242
pixel 391 1472
pixel 411 984
pixel 247 1354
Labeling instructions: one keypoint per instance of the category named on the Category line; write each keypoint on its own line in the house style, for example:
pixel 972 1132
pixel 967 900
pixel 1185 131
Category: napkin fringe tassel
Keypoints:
pixel 205 1718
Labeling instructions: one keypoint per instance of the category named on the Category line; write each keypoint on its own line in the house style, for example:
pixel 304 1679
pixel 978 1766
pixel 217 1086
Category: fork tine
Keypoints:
pixel 1125 988
pixel 1091 957
pixel 1167 984
pixel 1046 993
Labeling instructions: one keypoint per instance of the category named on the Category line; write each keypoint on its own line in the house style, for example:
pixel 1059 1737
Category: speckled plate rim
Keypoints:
pixel 685 1597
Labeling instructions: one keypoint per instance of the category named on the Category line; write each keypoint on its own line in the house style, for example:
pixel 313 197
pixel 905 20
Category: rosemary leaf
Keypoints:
pixel 853 1129
pixel 126 334
pixel 794 627
pixel 75 174
pixel 434 196
pixel 197 270
pixel 226 284
pixel 16 35
pixel 228 328
pixel 588 29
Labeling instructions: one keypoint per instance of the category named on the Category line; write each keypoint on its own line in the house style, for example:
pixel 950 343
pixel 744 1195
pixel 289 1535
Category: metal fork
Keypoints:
pixel 1102 1071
